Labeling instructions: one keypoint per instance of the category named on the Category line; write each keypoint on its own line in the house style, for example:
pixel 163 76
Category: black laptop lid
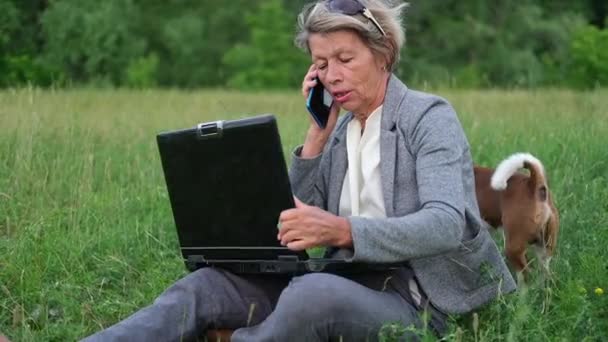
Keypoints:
pixel 227 183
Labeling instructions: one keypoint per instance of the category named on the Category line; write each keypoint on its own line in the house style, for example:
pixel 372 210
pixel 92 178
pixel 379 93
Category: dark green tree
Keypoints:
pixel 269 58
pixel 248 43
pixel 92 41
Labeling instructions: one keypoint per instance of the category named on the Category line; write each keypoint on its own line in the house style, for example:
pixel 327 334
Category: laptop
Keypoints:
pixel 228 183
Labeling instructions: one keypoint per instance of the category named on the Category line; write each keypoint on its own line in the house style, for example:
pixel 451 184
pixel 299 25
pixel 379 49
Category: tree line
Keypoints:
pixel 248 44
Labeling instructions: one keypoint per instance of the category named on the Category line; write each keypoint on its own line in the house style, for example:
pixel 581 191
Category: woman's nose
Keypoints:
pixel 333 75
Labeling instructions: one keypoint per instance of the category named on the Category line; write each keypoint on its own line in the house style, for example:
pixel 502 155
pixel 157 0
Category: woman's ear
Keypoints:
pixel 381 61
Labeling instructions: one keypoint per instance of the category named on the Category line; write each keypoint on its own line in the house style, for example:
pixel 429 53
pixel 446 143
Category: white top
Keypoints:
pixel 362 189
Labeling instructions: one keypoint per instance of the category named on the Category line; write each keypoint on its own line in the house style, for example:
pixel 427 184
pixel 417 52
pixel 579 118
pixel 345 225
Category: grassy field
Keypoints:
pixel 87 236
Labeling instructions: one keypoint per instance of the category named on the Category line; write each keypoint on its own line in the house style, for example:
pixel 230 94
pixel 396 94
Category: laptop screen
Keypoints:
pixel 227 183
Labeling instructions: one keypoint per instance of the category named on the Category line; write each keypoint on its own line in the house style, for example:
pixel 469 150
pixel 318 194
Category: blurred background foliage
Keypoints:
pixel 248 44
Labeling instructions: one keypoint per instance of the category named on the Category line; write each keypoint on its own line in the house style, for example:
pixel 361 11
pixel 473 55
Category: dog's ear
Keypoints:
pixel 552 230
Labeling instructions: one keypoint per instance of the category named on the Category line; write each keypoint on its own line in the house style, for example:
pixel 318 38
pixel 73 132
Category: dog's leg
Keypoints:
pixel 548 243
pixel 515 251
pixel 542 254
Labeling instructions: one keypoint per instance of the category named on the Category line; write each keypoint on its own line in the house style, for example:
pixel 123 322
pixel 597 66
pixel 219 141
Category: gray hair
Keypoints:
pixel 317 18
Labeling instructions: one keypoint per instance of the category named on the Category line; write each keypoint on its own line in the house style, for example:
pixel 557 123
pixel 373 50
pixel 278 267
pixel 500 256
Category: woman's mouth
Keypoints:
pixel 341 96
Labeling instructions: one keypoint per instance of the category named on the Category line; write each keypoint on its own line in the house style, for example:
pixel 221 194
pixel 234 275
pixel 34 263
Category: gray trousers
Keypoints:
pixel 312 307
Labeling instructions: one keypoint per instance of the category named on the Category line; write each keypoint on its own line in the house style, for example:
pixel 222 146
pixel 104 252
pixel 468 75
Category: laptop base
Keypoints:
pixel 290 266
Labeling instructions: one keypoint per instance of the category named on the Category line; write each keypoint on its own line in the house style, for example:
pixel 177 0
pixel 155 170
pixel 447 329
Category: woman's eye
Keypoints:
pixel 345 60
pixel 322 67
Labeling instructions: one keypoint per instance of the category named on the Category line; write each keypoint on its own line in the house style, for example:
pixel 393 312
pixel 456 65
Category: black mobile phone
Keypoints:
pixel 319 103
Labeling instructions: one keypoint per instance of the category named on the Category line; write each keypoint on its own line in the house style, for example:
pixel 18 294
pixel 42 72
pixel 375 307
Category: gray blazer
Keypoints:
pixel 433 220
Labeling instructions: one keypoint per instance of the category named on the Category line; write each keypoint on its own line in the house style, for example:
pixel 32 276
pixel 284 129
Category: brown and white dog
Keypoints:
pixel 522 205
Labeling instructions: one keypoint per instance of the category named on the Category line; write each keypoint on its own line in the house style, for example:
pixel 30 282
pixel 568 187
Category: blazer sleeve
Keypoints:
pixel 306 183
pixel 438 143
pixel 309 177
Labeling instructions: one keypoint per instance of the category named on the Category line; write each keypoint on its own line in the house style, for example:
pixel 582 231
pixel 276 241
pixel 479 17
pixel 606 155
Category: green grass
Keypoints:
pixel 87 236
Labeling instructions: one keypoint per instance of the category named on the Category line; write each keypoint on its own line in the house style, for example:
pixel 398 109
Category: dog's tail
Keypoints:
pixel 509 167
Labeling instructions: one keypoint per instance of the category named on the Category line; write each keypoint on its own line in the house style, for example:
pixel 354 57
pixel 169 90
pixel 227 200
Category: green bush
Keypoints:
pixel 469 76
pixel 269 59
pixel 142 72
pixel 191 39
pixel 481 44
pixel 183 37
pixel 92 41
pixel 589 53
pixel 23 69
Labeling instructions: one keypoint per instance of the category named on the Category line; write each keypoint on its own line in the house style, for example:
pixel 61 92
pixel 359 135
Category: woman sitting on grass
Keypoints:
pixel 390 181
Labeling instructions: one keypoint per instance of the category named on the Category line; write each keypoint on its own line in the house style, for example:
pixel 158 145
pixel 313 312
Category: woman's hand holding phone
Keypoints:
pixel 317 136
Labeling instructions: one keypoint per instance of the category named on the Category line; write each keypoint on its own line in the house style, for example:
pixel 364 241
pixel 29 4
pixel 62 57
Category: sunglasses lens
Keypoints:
pixel 352 7
pixel 348 7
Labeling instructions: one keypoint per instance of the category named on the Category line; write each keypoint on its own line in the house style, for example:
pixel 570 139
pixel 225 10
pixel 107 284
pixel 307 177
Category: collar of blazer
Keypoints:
pixel 393 99
pixel 395 93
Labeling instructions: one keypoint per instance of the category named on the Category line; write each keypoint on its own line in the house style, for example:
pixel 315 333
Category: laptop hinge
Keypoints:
pixel 196 259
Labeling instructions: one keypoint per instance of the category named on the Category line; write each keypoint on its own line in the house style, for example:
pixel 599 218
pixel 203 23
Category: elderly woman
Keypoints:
pixel 390 181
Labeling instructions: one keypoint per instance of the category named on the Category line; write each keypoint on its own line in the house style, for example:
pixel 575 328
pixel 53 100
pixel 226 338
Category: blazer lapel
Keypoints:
pixel 388 155
pixel 339 164
pixel 395 92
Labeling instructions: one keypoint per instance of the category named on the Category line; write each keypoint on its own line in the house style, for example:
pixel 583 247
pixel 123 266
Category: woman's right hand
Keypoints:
pixel 317 136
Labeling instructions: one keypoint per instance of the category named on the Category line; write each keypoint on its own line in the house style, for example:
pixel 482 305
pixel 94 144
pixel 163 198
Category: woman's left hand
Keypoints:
pixel 308 226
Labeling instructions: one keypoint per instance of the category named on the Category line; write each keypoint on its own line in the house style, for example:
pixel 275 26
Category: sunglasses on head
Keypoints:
pixel 352 7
